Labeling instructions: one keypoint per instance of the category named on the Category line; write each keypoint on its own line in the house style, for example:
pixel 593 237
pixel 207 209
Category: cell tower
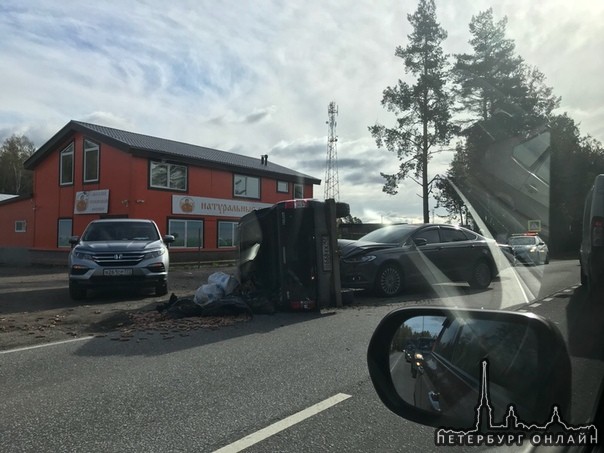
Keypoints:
pixel 332 182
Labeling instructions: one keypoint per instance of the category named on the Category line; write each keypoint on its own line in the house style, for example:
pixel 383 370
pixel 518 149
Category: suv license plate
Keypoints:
pixel 117 272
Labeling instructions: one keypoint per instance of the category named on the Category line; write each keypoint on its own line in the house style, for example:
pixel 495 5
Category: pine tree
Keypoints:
pixel 422 109
pixel 494 80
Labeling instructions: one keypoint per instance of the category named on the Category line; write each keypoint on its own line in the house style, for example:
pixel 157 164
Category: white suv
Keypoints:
pixel 119 253
pixel 529 248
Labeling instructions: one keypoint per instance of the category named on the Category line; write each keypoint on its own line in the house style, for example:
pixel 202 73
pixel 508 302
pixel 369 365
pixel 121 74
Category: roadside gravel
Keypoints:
pixel 35 307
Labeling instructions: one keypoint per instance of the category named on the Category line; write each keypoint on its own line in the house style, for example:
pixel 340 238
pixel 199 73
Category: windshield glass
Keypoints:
pixel 523 241
pixel 389 235
pixel 120 231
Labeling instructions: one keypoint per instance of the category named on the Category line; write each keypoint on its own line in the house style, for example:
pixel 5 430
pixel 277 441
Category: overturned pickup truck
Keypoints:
pixel 287 253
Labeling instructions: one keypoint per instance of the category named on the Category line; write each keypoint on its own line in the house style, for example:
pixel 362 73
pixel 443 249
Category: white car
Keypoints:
pixel 529 249
pixel 117 253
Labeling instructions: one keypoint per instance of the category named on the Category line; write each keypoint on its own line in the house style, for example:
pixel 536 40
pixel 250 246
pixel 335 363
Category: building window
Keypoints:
pixel 64 232
pixel 168 176
pixel 283 186
pixel 20 226
pixel 66 164
pixel 246 186
pixel 91 161
pixel 187 233
pixel 298 191
pixel 227 234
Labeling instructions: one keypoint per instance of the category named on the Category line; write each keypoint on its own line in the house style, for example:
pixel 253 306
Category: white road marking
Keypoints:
pixel 27 348
pixel 568 290
pixel 548 299
pixel 281 425
pixel 535 304
pixel 396 363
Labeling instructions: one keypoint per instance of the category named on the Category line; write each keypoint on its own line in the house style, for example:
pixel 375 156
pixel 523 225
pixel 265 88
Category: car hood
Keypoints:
pixel 349 247
pixel 118 246
pixel 517 248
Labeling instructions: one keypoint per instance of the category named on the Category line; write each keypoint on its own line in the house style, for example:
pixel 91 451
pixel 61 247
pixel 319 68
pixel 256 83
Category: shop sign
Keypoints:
pixel 219 207
pixel 91 202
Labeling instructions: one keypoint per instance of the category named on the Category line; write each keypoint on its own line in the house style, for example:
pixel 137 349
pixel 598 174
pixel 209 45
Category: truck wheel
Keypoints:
pixel 76 292
pixel 161 289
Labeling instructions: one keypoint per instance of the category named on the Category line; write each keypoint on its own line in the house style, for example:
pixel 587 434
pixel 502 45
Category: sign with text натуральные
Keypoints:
pixel 91 202
pixel 186 204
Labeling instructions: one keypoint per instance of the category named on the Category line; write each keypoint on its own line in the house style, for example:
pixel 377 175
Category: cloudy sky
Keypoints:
pixel 256 77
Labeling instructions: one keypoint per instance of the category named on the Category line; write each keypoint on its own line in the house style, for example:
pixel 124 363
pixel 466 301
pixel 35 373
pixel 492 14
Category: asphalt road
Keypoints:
pixel 212 388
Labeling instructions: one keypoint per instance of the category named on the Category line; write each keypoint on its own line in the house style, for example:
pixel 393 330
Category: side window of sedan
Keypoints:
pixel 429 234
pixel 452 235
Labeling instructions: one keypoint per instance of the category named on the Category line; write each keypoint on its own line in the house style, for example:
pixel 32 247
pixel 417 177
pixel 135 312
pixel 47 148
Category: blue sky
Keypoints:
pixel 256 77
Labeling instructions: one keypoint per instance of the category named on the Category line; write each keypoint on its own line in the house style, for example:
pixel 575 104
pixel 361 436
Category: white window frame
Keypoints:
pixel 90 147
pixel 280 190
pixel 66 243
pixel 67 151
pixel 20 226
pixel 244 188
pixel 233 234
pixel 187 223
pixel 169 183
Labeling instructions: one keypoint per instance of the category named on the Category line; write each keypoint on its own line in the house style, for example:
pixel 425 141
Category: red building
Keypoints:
pixel 85 172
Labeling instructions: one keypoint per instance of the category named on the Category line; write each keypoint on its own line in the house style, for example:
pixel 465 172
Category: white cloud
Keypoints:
pixel 256 77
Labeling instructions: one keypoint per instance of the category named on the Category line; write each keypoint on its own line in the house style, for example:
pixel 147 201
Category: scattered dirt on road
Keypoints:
pixel 35 307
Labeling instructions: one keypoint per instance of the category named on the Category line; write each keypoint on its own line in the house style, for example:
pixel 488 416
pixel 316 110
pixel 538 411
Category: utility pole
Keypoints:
pixel 332 182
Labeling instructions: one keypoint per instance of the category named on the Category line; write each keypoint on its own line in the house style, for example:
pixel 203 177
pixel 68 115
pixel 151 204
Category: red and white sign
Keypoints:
pixel 91 202
pixel 186 204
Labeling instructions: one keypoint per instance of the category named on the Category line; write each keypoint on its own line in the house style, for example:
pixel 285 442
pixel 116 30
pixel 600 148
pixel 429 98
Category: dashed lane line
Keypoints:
pixel 281 425
pixel 45 345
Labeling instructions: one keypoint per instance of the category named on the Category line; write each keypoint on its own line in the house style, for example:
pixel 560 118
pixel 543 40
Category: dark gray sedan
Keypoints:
pixel 386 259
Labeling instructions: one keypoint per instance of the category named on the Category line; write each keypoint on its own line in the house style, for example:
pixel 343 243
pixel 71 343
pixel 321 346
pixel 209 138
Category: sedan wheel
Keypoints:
pixel 481 275
pixel 389 281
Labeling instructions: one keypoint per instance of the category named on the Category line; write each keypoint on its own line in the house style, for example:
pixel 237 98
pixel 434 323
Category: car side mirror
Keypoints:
pixel 73 240
pixel 509 358
pixel 168 238
pixel 420 242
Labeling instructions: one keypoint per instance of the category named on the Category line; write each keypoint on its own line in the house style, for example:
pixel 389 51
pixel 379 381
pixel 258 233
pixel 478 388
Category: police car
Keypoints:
pixel 529 248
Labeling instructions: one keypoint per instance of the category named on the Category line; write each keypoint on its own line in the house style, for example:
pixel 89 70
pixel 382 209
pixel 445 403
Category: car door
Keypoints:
pixel 542 247
pixel 426 257
pixel 449 379
pixel 438 387
pixel 458 253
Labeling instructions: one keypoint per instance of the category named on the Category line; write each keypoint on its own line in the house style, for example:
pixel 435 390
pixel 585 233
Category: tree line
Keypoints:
pixel 14 179
pixel 466 102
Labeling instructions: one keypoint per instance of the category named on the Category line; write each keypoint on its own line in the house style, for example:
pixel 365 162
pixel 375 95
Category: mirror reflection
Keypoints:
pixel 436 365
pixel 412 341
